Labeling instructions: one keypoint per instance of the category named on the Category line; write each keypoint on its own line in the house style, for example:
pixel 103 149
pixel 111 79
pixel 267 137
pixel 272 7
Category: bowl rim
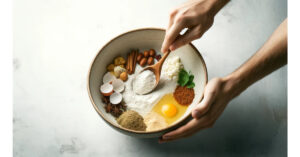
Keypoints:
pixel 129 130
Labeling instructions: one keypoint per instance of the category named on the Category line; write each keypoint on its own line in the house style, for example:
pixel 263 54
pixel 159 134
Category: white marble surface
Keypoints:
pixel 55 41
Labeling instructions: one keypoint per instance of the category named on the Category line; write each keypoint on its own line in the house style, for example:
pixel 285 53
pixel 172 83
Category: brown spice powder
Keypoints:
pixel 132 120
pixel 184 95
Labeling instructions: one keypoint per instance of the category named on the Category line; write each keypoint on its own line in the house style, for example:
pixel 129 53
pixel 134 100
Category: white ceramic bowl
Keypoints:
pixel 143 39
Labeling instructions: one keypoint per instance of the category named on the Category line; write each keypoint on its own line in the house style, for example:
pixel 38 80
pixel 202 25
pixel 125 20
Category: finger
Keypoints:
pixel 191 125
pixel 171 35
pixel 160 140
pixel 204 123
pixel 186 38
pixel 193 34
pixel 195 125
pixel 171 18
pixel 163 140
pixel 175 11
pixel 182 136
pixel 204 105
pixel 190 128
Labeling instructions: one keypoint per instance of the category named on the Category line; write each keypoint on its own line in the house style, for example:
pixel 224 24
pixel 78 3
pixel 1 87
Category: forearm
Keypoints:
pixel 217 5
pixel 271 56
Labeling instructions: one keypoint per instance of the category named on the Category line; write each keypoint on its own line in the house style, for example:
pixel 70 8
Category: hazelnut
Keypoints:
pixel 119 61
pixel 146 54
pixel 110 67
pixel 150 60
pixel 124 76
pixel 152 52
pixel 143 61
pixel 139 57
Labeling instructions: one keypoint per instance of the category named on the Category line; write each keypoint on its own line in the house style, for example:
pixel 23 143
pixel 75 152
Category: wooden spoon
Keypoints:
pixel 156 68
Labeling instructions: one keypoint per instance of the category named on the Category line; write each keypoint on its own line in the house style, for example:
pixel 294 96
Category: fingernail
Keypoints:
pixel 172 47
pixel 196 114
pixel 161 141
pixel 166 137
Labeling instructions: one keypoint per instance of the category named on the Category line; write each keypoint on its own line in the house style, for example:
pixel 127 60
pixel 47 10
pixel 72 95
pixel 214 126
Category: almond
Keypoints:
pixel 152 52
pixel 143 61
pixel 146 54
pixel 139 57
pixel 150 60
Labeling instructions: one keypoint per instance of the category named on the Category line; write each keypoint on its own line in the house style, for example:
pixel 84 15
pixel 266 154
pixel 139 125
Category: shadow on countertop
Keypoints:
pixel 244 129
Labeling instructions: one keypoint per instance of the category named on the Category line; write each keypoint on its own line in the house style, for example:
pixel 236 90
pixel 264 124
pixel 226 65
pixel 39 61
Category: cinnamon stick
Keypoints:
pixel 134 60
pixel 131 62
pixel 127 65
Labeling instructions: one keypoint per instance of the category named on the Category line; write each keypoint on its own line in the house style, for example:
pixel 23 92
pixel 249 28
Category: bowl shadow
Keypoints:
pixel 240 131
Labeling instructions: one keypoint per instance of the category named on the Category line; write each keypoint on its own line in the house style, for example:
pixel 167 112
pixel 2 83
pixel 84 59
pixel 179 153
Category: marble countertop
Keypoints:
pixel 56 40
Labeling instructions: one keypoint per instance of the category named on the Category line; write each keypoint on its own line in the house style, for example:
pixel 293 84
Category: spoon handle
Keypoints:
pixel 161 61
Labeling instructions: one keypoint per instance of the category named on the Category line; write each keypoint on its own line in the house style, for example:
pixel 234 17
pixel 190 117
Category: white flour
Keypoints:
pixel 144 82
pixel 144 103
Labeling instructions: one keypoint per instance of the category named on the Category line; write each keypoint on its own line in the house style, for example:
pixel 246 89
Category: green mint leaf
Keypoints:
pixel 192 85
pixel 183 77
pixel 191 79
pixel 186 79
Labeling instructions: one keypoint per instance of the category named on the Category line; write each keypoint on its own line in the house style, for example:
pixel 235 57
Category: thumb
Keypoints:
pixel 187 37
pixel 204 105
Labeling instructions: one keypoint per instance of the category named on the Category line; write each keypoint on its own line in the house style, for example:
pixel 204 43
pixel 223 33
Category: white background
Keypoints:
pixel 55 41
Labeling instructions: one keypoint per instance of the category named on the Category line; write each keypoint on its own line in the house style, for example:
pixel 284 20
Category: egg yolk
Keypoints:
pixel 169 110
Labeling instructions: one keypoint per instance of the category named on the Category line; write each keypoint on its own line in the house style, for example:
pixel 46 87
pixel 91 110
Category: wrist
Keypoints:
pixel 234 85
pixel 217 5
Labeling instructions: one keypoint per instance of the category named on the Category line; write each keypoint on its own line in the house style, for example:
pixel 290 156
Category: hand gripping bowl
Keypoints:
pixel 142 39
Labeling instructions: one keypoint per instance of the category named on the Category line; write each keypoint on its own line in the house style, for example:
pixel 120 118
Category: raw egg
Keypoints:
pixel 168 108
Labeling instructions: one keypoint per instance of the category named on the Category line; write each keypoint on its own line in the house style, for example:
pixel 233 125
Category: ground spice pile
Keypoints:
pixel 184 95
pixel 132 120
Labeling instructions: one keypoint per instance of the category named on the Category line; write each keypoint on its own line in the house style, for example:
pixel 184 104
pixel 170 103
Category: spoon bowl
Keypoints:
pixel 156 69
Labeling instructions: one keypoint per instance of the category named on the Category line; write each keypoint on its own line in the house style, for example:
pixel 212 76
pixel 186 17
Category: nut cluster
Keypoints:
pixel 146 58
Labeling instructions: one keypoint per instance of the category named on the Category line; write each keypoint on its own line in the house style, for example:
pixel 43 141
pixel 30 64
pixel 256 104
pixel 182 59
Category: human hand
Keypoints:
pixel 218 92
pixel 195 15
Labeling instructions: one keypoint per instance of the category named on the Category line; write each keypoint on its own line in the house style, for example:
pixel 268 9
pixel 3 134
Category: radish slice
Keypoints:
pixel 118 85
pixel 108 77
pixel 106 89
pixel 115 98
